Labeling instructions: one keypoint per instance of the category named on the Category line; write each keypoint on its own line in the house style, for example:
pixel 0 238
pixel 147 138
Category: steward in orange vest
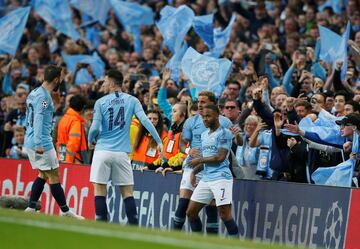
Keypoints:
pixel 145 148
pixel 71 140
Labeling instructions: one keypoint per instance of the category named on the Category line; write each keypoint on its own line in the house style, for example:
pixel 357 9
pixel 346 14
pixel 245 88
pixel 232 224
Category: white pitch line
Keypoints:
pixel 117 234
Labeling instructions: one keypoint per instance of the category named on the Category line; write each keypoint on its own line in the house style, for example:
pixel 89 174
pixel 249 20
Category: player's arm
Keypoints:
pixel 211 160
pixel 41 105
pixel 185 138
pixel 144 120
pixel 95 126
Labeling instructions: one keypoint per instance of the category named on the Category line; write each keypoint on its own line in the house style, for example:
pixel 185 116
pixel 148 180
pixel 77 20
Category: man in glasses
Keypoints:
pixel 232 110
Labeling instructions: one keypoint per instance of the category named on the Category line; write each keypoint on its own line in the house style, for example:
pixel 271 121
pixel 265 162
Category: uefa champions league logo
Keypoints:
pixel 205 72
pixel 333 225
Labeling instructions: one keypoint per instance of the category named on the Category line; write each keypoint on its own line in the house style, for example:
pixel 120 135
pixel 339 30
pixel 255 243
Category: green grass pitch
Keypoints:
pixel 24 230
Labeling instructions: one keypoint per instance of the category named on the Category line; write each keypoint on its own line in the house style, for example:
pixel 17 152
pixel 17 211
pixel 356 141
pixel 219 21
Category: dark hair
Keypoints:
pixel 116 76
pixel 77 102
pixel 354 104
pixel 342 93
pixel 52 72
pixel 233 82
pixel 213 108
pixel 305 104
pixel 142 131
pixel 209 95
pixel 232 100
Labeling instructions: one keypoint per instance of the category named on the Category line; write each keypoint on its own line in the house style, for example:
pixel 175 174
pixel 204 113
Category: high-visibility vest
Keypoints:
pixel 172 144
pixel 144 154
pixel 71 139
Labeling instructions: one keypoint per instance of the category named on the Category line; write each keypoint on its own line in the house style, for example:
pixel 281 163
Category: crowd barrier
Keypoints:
pixel 286 213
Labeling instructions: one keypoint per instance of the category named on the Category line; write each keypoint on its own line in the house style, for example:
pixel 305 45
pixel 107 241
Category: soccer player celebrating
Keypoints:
pixel 192 130
pixel 110 131
pixel 38 141
pixel 217 181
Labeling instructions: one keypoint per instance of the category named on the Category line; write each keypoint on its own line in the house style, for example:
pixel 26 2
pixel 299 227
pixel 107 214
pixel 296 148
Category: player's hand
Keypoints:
pixel 39 150
pixel 195 162
pixel 160 148
pixel 194 152
pixel 92 145
pixel 193 179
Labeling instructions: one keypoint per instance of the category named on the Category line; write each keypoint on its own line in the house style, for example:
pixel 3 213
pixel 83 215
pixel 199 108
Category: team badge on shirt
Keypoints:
pixel 44 104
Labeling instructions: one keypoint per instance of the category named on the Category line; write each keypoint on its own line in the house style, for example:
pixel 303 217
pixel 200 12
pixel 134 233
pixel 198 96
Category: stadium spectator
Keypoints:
pixel 17 150
pixel 71 139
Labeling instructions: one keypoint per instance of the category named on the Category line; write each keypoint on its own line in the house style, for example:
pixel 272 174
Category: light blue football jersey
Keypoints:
pixel 39 119
pixel 194 127
pixel 210 145
pixel 115 112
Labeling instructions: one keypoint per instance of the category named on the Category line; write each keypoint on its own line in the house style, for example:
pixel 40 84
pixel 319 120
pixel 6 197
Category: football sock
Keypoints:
pixel 231 227
pixel 180 214
pixel 130 209
pixel 212 223
pixel 58 193
pixel 36 190
pixel 196 225
pixel 101 208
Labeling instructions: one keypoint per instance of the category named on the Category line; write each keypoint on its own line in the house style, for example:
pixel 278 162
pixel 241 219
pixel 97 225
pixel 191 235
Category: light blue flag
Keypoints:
pixel 334 4
pixel 333 47
pixel 205 72
pixel 97 9
pixel 83 76
pixel 175 62
pixel 174 24
pixel 340 175
pixel 222 38
pixel 330 135
pixel 6 85
pixel 12 27
pixel 133 16
pixel 204 27
pixel 57 13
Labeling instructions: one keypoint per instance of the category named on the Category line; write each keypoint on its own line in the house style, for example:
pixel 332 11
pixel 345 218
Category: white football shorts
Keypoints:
pixel 111 165
pixel 46 161
pixel 220 190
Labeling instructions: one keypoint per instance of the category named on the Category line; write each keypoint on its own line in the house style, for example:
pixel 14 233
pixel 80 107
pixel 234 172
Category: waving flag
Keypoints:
pixel 222 38
pixel 57 13
pixel 205 72
pixel 133 16
pixel 340 175
pixel 83 75
pixel 334 4
pixel 333 47
pixel 12 27
pixel 204 27
pixel 97 9
pixel 175 62
pixel 174 24
pixel 328 134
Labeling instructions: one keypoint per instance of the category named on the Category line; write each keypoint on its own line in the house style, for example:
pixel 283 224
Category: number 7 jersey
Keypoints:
pixel 115 111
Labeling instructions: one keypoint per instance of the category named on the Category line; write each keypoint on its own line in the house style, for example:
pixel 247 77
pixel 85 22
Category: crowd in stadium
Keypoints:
pixel 276 80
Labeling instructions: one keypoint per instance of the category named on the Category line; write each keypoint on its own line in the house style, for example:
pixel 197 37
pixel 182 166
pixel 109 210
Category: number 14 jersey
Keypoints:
pixel 115 111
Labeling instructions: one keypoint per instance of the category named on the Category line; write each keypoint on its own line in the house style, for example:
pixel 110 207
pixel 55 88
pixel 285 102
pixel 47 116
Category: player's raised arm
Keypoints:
pixel 96 124
pixel 140 114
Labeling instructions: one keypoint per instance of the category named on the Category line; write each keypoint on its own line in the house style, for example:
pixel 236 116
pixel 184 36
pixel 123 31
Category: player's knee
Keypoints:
pixel 42 175
pixel 191 214
pixel 99 189
pixel 225 213
pixel 53 176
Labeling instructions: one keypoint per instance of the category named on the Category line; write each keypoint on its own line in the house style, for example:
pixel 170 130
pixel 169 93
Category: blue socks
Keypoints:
pixel 180 214
pixel 36 190
pixel 196 225
pixel 101 208
pixel 212 223
pixel 58 193
pixel 130 209
pixel 232 228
